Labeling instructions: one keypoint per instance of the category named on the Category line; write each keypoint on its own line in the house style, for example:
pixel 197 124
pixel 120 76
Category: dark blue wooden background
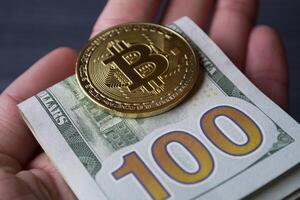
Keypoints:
pixel 31 28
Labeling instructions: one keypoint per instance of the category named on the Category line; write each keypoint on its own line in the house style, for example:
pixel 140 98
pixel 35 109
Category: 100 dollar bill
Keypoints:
pixel 226 135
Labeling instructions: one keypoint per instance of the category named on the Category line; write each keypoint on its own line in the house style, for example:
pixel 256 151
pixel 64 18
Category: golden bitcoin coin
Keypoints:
pixel 137 69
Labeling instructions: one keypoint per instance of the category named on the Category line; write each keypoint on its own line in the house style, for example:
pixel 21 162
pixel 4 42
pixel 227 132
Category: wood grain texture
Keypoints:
pixel 29 29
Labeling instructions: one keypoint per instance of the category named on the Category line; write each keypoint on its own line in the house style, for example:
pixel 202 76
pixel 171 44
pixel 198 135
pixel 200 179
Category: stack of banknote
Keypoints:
pixel 226 140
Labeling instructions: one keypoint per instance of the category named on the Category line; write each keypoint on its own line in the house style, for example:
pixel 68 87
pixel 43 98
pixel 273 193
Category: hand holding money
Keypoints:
pixel 19 147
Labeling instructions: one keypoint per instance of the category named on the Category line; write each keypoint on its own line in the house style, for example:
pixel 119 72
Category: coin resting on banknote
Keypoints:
pixel 137 69
pixel 226 135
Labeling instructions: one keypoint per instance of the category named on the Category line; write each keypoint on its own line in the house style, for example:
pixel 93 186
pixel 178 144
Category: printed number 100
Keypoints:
pixel 133 164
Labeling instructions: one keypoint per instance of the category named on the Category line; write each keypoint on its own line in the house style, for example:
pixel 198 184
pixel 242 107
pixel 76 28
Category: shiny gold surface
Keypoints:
pixel 137 69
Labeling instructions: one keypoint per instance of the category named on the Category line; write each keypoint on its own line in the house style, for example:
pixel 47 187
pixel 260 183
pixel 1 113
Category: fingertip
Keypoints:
pixel 231 26
pixel 51 68
pixel 119 12
pixel 198 11
pixel 66 54
pixel 66 50
pixel 266 34
pixel 266 64
pixel 61 58
pixel 266 48
pixel 265 30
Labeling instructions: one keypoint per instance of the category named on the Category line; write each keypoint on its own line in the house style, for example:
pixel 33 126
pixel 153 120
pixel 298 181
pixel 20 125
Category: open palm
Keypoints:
pixel 26 172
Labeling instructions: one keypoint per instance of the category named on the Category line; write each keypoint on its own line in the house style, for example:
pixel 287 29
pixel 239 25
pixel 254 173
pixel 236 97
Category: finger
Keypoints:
pixel 198 11
pixel 52 68
pixel 119 11
pixel 266 64
pixel 15 139
pixel 231 26
pixel 42 167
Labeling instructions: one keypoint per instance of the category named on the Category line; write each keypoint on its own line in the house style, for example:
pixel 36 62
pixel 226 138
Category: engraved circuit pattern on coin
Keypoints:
pixel 137 69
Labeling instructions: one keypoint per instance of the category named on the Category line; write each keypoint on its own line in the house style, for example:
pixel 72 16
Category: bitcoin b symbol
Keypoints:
pixel 156 63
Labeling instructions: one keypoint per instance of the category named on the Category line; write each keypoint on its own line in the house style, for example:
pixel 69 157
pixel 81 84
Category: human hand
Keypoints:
pixel 26 173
